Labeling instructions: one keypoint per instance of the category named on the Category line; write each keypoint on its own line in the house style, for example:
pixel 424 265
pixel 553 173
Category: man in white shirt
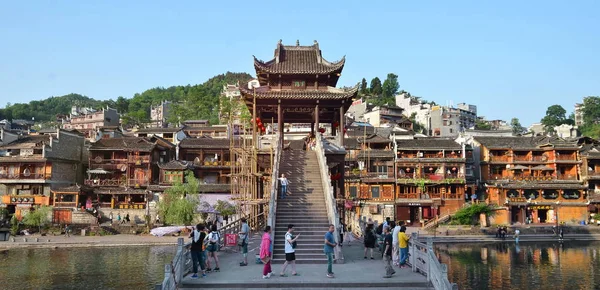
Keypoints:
pixel 243 235
pixel 395 246
pixel 290 252
pixel 284 183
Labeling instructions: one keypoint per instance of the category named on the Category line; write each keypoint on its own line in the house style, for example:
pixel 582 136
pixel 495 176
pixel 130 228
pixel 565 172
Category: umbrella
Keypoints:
pixel 99 171
pixel 542 167
pixel 519 167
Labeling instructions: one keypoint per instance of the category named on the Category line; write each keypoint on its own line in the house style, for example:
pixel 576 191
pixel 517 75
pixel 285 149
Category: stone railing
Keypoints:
pixel 274 183
pixel 423 260
pixel 330 201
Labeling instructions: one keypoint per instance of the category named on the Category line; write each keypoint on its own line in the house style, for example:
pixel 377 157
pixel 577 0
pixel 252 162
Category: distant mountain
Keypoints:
pixel 190 102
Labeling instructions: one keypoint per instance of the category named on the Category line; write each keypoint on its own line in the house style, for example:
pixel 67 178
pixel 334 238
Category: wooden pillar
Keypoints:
pixel 77 200
pixel 312 128
pixel 341 126
pixel 333 129
pixel 280 123
pixel 342 170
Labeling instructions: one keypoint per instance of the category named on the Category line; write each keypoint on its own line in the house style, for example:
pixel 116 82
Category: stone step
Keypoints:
pixel 303 228
pixel 312 211
pixel 299 256
pixel 299 250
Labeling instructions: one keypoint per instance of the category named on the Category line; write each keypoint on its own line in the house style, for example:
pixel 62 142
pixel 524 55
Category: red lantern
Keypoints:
pixel 263 129
pixel 259 124
pixel 257 119
pixel 336 124
pixel 345 130
pixel 322 130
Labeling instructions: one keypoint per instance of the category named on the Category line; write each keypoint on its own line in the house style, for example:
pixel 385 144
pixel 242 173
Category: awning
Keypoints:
pixel 520 167
pixel 98 171
pixel 542 167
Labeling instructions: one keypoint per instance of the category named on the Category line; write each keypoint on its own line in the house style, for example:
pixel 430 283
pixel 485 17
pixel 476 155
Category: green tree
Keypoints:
pixel 376 88
pixel 516 126
pixel 364 89
pixel 38 217
pixel 591 110
pixel 417 127
pixel 390 87
pixel 179 203
pixel 481 125
pixel 225 209
pixel 555 116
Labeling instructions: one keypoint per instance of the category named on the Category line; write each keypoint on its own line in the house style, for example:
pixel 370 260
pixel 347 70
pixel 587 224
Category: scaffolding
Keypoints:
pixel 250 184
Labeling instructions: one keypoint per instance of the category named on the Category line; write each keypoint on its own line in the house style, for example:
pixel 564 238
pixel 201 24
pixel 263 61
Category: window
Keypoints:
pixel 375 192
pixel 172 176
pixel 353 191
pixel 298 84
pixel 451 131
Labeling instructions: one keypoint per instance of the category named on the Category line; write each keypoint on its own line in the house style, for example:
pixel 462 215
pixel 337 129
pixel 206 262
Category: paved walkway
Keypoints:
pixel 354 273
pixel 87 241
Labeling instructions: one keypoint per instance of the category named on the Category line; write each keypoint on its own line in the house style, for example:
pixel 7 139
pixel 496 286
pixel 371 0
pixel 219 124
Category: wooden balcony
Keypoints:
pixel 138 160
pixel 138 182
pixel 104 182
pixel 377 177
pixel 26 176
pixel 501 159
pixel 212 164
pixel 65 204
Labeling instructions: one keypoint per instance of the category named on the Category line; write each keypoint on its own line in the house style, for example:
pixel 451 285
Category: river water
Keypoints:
pixel 551 265
pixel 473 266
pixel 84 268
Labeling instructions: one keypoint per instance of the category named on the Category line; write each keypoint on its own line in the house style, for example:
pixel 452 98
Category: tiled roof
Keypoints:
pixel 159 130
pixel 298 60
pixel 205 143
pixel 215 188
pixel 351 143
pixel 542 185
pixel 124 143
pixel 174 165
pixel 28 142
pixel 206 128
pixel 525 142
pixel 376 154
pixel 330 94
pixel 73 188
pixel 428 144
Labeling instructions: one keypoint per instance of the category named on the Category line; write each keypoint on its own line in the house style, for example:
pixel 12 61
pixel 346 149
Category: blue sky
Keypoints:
pixel 510 58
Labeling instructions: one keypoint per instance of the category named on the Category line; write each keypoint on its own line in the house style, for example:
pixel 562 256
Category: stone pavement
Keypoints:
pixel 354 273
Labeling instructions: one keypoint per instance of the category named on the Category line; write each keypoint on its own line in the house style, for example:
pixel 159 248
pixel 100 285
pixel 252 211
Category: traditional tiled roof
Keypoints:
pixel 124 143
pixel 428 144
pixel 525 142
pixel 205 143
pixel 174 165
pixel 351 143
pixel 160 130
pixel 28 142
pixel 215 188
pixel 298 60
pixel 542 185
pixel 73 188
pixel 376 154
pixel 589 150
pixel 206 128
pixel 330 94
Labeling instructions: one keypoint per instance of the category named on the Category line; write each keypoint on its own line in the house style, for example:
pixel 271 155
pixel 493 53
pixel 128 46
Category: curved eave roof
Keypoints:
pixel 299 66
pixel 330 94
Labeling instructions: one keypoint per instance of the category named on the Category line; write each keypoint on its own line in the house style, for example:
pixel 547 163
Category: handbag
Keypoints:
pixel 241 242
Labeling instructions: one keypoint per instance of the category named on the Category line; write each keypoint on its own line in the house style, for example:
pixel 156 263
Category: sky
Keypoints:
pixel 510 58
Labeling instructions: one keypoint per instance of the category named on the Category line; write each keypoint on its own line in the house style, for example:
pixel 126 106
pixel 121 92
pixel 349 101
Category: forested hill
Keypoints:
pixel 191 102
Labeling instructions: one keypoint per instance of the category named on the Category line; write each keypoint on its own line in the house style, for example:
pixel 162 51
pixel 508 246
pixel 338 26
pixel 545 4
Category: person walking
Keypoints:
pixel 328 249
pixel 198 235
pixel 243 235
pixel 517 233
pixel 370 239
pixel 284 182
pixel 395 248
pixel 119 218
pixel 342 231
pixel 67 231
pixel 110 217
pixel 387 253
pixel 290 251
pixel 265 252
pixel 205 245
pixel 213 246
pixel 403 242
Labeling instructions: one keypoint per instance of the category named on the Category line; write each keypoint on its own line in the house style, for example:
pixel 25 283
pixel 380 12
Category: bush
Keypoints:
pixel 14 226
pixel 465 215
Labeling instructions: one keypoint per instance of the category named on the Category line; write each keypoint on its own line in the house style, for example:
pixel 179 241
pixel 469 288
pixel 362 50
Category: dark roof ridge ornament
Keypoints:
pixel 278 50
pixel 297 42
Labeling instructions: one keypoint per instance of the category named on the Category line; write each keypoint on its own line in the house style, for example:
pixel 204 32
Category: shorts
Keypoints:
pixel 212 248
pixel 370 245
pixel 290 257
pixel 245 248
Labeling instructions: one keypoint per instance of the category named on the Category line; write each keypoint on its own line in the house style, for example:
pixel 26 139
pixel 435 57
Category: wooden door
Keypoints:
pixel 402 213
pixel 62 216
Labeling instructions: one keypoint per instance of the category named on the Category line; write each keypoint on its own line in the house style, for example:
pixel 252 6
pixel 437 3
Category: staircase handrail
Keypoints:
pixel 436 221
pixel 274 176
pixel 330 202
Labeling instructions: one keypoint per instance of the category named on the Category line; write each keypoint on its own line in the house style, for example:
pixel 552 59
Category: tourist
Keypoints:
pixel 213 246
pixel 99 217
pixel 110 217
pixel 205 245
pixel 119 218
pixel 395 249
pixel 341 231
pixel 265 252
pixel 198 235
pixel 328 249
pixel 561 234
pixel 243 235
pixel 403 244
pixel 283 182
pixel 290 251
pixel 386 223
pixel 516 236
pixel 127 218
pixel 157 219
pixel 67 231
pixel 387 256
pixel 370 239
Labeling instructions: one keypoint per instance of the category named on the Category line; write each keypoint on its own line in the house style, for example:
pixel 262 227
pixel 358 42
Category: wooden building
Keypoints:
pixel 430 179
pixel 210 159
pixel 533 179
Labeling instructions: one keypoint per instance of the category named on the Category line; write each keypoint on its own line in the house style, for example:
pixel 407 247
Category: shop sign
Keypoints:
pixel 517 199
pixel 540 207
pixel 414 204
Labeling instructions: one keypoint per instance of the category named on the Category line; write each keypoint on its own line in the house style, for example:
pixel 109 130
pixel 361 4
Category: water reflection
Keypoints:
pixel 84 268
pixel 523 266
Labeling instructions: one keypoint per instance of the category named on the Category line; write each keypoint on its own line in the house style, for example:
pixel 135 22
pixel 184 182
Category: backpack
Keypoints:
pixel 205 242
pixel 369 237
pixel 212 237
